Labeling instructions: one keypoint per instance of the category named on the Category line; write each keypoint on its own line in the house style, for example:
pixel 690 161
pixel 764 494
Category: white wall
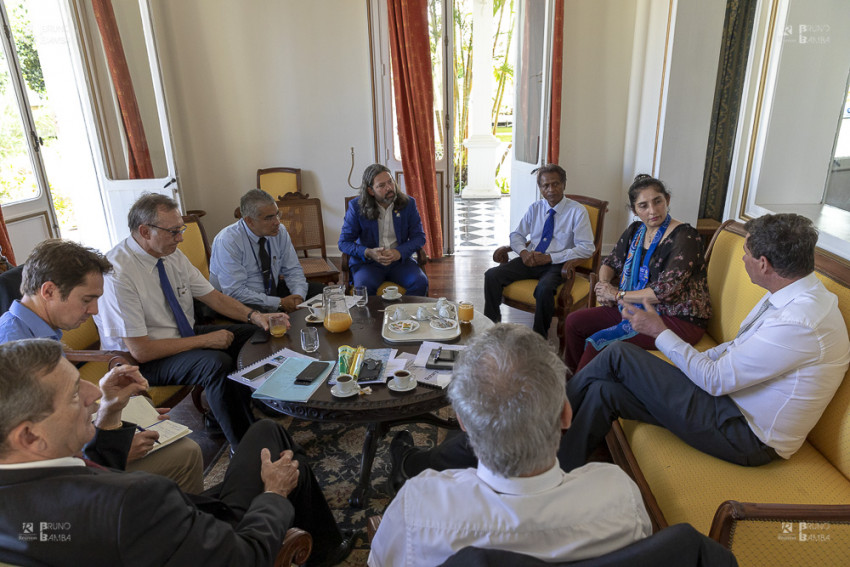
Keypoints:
pixel 595 94
pixel 693 60
pixel 265 83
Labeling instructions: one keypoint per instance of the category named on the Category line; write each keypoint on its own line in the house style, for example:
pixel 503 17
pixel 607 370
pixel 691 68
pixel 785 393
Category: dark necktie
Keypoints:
pixel 548 231
pixel 182 322
pixel 265 263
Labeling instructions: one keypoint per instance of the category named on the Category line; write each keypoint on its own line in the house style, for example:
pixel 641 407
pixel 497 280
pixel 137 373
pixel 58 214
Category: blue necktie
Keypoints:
pixel 182 322
pixel 548 231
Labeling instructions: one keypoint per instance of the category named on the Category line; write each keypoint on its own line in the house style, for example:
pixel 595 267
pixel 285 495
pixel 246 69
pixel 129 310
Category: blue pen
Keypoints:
pixel 142 429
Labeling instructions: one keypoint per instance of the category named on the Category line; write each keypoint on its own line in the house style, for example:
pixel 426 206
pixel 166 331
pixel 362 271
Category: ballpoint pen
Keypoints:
pixel 142 429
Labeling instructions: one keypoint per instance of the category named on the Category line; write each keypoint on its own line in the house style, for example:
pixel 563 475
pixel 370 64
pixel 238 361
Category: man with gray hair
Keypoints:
pixel 253 259
pixel 508 389
pixel 147 309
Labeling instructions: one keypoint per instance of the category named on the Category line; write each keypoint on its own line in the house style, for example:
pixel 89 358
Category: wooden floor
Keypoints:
pixel 459 277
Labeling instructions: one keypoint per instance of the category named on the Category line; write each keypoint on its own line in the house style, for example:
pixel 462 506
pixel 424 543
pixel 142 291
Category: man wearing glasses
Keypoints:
pixel 147 309
pixel 253 259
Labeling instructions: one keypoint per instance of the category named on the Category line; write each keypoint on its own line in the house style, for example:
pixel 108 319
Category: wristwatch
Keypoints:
pixel 251 314
pixel 620 295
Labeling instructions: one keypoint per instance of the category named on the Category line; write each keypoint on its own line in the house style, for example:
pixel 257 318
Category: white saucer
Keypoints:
pixel 403 326
pixel 443 324
pixel 389 297
pixel 335 392
pixel 312 319
pixel 395 388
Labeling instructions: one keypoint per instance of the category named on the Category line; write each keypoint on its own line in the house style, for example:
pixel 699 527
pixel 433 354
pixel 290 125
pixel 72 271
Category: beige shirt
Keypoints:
pixel 386 229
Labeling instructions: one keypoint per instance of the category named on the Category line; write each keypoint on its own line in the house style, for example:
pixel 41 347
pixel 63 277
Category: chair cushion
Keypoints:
pixel 316 266
pixel 670 466
pixel 733 295
pixel 84 337
pixel 193 247
pixel 523 290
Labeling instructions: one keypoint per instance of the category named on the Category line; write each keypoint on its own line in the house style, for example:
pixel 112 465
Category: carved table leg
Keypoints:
pixel 374 433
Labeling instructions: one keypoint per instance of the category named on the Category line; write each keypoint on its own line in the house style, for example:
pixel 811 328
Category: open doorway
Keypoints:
pixel 482 112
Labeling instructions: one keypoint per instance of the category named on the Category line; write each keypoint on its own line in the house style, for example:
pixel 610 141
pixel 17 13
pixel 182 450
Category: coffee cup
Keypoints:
pixel 398 314
pixel 423 314
pixel 391 291
pixel 403 378
pixel 346 384
pixel 316 310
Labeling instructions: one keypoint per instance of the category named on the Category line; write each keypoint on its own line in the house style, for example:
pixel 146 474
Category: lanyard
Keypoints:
pixel 268 282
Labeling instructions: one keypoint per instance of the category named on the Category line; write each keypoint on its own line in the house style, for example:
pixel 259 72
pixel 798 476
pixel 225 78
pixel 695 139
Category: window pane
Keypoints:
pixel 17 180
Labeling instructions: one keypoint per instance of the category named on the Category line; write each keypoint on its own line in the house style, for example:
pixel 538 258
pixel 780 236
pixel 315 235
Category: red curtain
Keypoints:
pixel 414 97
pixel 557 80
pixel 5 243
pixel 139 158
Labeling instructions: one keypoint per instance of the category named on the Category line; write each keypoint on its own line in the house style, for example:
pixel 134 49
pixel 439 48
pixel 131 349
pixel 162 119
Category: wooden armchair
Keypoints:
pixel 579 275
pixel 296 548
pixel 279 180
pixel 421 259
pixel 302 217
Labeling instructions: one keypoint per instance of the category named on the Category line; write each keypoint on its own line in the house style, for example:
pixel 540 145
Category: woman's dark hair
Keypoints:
pixel 645 181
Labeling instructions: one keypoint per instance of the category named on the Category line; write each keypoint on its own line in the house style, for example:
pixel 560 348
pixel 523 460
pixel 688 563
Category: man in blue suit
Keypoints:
pixel 380 233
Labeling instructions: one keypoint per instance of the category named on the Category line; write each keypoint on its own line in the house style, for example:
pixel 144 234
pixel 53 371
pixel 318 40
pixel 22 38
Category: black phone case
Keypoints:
pixel 370 370
pixel 310 373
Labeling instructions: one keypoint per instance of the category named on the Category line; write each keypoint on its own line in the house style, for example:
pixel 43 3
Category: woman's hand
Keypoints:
pixel 606 294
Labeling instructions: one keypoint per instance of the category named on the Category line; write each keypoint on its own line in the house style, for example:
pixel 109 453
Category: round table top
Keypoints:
pixel 382 404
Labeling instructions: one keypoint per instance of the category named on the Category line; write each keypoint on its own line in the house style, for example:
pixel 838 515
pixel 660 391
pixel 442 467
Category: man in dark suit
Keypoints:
pixel 57 509
pixel 381 231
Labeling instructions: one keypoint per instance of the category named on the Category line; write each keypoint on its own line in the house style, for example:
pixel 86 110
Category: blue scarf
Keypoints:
pixel 635 276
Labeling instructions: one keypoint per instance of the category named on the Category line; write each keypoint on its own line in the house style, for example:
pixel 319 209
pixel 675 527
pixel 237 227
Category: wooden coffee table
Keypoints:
pixel 381 410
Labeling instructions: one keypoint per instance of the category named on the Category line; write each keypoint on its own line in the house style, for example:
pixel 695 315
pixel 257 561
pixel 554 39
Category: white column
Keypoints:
pixel 481 144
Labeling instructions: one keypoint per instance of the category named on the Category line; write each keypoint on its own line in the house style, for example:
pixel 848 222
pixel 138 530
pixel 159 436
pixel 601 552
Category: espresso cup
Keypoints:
pixel 316 310
pixel 346 384
pixel 391 291
pixel 403 378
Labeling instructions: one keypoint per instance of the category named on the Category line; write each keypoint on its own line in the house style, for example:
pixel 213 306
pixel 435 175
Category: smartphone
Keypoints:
pixel 310 373
pixel 260 336
pixel 252 375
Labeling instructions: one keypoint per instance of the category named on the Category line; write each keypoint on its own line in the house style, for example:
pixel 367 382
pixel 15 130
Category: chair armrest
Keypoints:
pixel 372 524
pixel 421 257
pixel 345 277
pixel 594 279
pixel 564 302
pixel 501 254
pixel 113 357
pixel 731 513
pixel 296 548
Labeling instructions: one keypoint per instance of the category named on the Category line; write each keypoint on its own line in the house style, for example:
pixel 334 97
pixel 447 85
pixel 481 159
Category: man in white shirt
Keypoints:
pixel 253 260
pixel 147 309
pixel 61 283
pixel 746 401
pixel 509 394
pixel 553 231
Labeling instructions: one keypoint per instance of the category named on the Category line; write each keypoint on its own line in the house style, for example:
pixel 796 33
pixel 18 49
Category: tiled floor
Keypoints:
pixel 481 223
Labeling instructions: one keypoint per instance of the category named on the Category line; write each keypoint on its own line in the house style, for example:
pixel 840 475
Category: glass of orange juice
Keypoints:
pixel 277 324
pixel 337 317
pixel 465 311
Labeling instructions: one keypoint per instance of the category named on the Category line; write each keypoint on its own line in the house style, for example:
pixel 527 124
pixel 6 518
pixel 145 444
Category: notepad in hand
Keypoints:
pixel 140 411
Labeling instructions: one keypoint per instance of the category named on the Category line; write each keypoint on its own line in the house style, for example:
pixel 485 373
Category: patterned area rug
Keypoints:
pixel 334 451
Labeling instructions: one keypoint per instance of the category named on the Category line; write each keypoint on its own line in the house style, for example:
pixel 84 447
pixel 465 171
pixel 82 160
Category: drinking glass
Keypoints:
pixel 310 339
pixel 465 312
pixel 277 325
pixel 361 291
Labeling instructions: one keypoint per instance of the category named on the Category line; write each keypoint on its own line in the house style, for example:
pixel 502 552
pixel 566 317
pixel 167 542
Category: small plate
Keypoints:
pixel 389 297
pixel 403 326
pixel 396 388
pixel 335 392
pixel 312 319
pixel 443 324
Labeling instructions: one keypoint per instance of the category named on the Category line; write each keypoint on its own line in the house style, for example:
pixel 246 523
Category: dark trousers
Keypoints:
pixel 229 401
pixel 313 288
pixel 549 278
pixel 405 272
pixel 585 322
pixel 626 381
pixel 243 482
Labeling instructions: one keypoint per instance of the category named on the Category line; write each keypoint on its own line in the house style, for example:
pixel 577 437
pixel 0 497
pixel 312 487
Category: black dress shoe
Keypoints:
pixel 401 444
pixel 211 425
pixel 338 555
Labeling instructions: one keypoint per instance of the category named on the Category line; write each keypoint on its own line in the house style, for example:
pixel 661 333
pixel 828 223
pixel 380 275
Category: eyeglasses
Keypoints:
pixel 277 216
pixel 175 232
